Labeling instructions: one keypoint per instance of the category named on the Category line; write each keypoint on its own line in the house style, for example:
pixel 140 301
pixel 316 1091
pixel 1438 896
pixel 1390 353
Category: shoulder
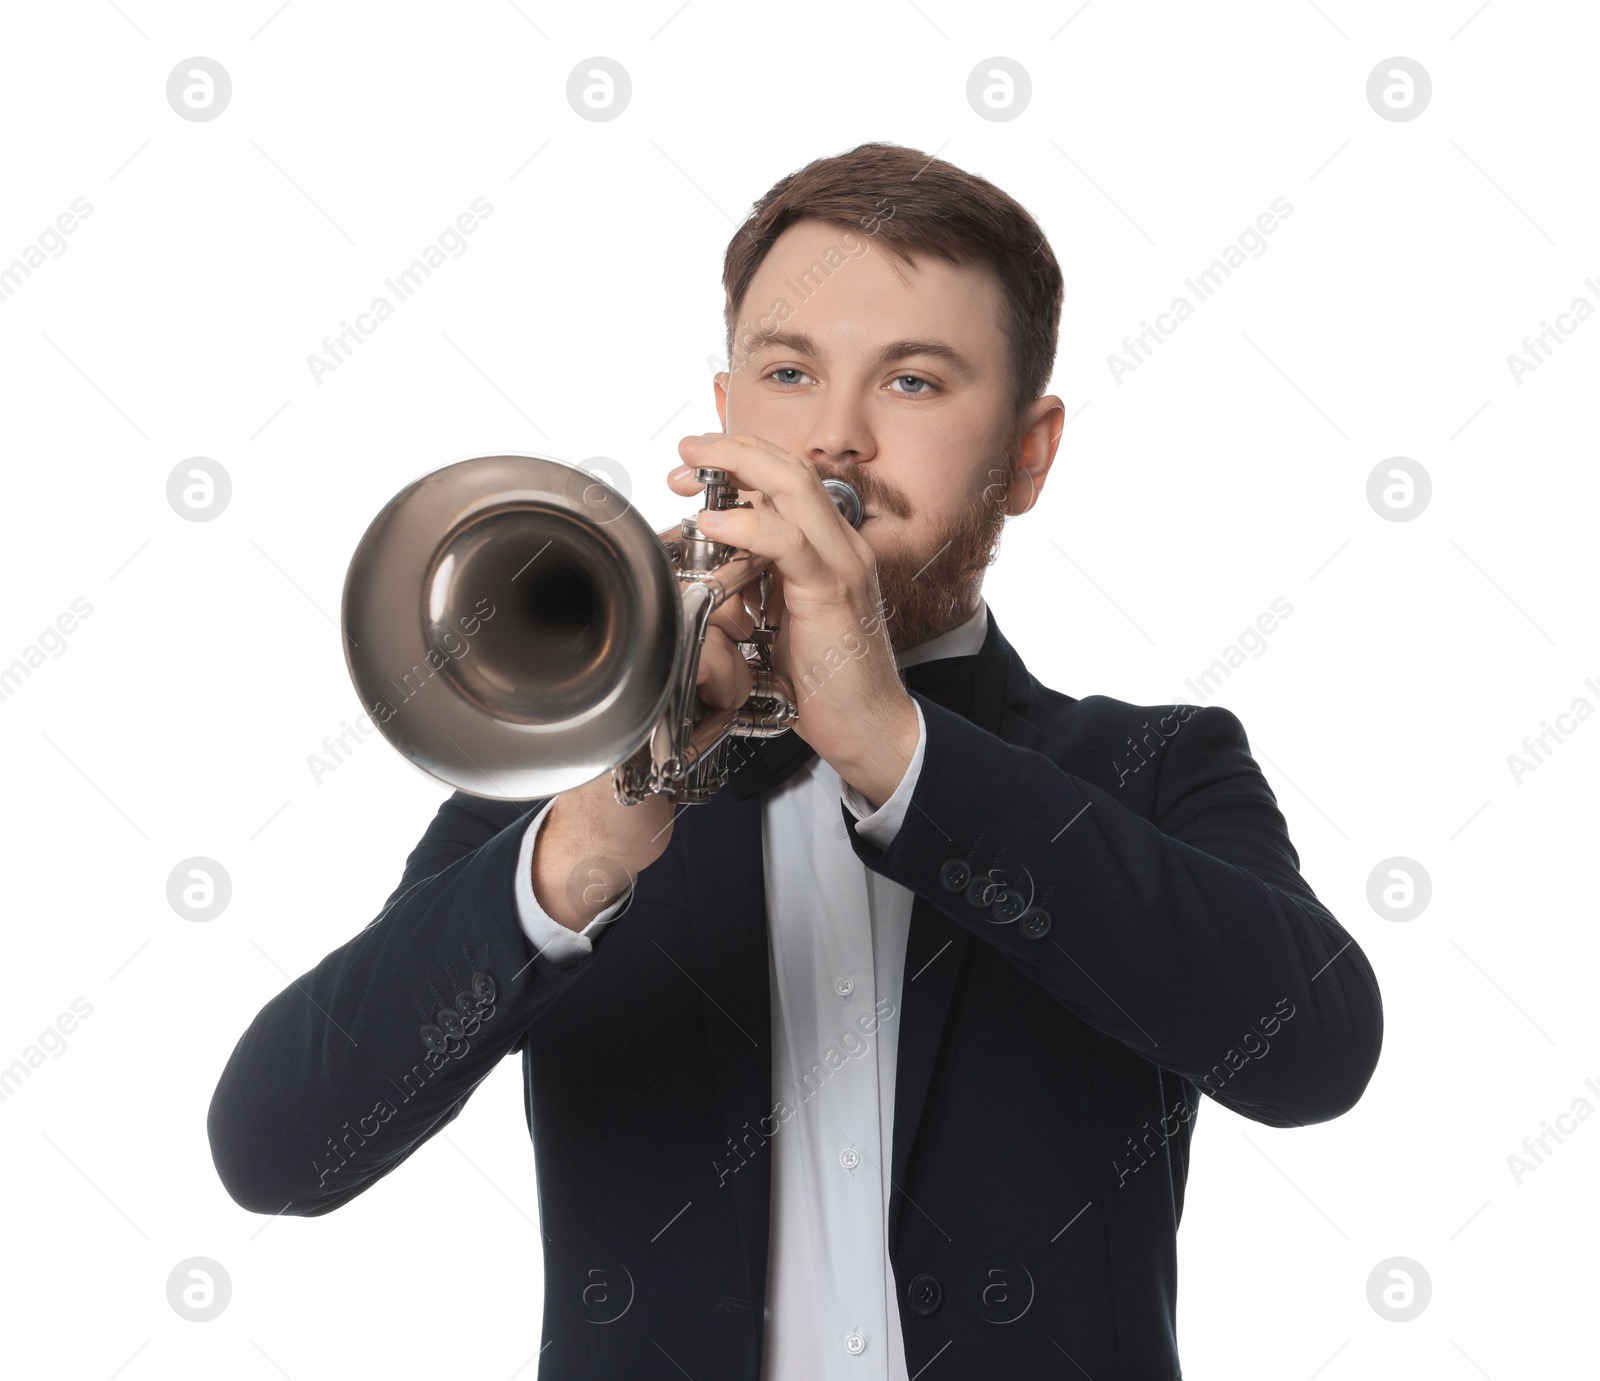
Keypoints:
pixel 1121 744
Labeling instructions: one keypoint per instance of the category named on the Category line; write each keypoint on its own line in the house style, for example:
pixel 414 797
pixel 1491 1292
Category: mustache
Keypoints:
pixel 880 498
pixel 877 496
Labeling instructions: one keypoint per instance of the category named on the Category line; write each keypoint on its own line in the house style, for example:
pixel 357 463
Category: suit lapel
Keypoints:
pixel 936 945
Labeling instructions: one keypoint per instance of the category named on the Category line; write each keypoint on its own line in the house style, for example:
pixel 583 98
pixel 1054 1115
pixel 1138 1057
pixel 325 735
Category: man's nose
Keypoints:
pixel 839 432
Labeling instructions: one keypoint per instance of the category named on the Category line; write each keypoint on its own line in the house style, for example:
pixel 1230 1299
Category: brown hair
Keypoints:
pixel 914 204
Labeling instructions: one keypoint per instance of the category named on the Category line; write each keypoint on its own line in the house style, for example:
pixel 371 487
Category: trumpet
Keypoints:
pixel 514 627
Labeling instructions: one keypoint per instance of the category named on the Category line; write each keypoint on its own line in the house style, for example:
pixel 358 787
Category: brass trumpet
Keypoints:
pixel 514 627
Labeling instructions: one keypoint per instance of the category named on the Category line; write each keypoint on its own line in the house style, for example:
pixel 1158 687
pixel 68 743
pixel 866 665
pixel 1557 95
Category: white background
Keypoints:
pixel 1229 470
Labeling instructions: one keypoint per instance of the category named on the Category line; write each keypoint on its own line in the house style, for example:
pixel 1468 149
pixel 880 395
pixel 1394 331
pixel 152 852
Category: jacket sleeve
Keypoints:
pixel 356 1063
pixel 1190 937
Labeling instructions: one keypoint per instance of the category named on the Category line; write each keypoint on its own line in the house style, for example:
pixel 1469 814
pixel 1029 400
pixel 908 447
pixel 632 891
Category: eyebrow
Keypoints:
pixel 803 343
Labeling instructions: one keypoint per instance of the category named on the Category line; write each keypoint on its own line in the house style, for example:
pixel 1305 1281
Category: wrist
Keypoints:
pixel 591 848
pixel 885 753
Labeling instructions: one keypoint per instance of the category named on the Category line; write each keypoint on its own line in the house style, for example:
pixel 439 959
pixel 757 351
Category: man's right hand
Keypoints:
pixel 591 847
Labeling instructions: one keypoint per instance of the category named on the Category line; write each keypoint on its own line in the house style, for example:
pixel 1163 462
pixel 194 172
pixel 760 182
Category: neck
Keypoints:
pixel 961 639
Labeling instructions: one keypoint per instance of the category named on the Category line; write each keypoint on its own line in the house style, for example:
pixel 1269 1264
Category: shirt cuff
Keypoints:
pixel 879 827
pixel 549 938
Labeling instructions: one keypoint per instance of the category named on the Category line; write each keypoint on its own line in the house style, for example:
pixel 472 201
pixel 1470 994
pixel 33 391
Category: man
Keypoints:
pixel 886 1061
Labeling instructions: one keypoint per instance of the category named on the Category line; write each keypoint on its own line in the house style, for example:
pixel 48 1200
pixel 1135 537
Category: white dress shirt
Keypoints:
pixel 837 942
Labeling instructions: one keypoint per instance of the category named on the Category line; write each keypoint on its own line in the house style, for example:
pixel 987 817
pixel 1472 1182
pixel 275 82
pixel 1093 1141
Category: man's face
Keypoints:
pixel 896 379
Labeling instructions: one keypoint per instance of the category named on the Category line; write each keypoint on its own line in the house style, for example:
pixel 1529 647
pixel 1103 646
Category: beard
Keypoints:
pixel 926 592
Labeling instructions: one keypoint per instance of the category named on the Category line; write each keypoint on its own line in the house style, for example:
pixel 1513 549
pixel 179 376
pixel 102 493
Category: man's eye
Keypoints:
pixel 918 385
pixel 787 370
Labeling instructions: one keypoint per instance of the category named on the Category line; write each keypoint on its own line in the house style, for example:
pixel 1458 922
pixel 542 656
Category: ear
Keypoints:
pixel 1040 428
pixel 719 386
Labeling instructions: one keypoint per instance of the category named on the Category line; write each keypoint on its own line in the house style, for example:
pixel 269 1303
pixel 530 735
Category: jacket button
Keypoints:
pixel 1008 906
pixel 483 986
pixel 923 1294
pixel 433 1038
pixel 1034 923
pixel 983 890
pixel 955 875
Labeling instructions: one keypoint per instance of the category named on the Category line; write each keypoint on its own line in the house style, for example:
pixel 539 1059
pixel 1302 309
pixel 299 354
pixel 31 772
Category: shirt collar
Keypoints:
pixel 961 641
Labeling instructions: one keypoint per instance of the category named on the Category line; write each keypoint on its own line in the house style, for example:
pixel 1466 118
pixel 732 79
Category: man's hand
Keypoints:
pixel 832 645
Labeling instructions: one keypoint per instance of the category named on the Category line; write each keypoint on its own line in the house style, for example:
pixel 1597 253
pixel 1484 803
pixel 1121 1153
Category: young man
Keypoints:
pixel 887 1061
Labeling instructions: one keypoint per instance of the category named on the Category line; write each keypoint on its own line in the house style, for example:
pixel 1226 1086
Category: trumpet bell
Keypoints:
pixel 512 625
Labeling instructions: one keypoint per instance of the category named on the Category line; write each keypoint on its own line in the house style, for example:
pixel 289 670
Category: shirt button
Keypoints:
pixel 838 829
pixel 845 986
pixel 849 1157
pixel 855 1344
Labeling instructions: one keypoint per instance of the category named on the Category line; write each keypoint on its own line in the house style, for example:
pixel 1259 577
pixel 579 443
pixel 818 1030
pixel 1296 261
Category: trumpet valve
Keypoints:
pixel 719 493
pixel 697 553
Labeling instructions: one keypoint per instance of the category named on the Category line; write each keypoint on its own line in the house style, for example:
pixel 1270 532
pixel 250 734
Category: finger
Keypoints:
pixel 724 678
pixel 790 485
pixel 734 619
pixel 766 532
pixel 737 616
pixel 680 478
pixel 732 616
pixel 682 481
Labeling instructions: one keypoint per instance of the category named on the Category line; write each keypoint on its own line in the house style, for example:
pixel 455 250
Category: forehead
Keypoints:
pixel 836 283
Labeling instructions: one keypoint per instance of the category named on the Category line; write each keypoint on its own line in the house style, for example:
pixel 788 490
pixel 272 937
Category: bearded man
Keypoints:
pixel 883 1063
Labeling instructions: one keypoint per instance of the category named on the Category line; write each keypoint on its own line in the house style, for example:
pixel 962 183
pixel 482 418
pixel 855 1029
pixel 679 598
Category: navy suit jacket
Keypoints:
pixel 1049 1070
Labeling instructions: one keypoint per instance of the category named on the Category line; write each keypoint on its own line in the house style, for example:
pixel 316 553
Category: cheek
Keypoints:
pixel 946 454
pixel 758 412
